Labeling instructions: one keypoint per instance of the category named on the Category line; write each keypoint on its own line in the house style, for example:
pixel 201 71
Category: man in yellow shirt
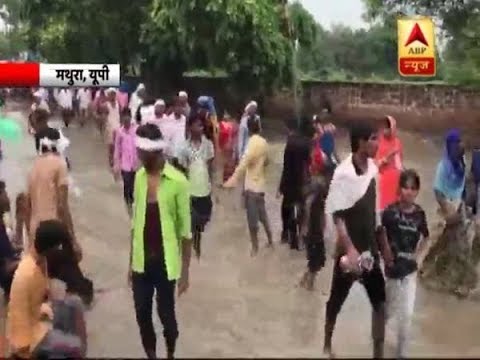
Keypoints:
pixel 39 323
pixel 253 163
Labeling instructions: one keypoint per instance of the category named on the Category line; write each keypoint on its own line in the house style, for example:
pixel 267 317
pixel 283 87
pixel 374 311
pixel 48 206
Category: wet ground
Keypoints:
pixel 237 306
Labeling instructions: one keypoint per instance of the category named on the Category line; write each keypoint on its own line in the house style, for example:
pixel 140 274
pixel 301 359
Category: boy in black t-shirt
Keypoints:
pixel 406 227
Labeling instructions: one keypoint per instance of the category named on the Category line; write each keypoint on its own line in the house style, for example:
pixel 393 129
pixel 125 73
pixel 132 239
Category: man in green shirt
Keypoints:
pixel 161 244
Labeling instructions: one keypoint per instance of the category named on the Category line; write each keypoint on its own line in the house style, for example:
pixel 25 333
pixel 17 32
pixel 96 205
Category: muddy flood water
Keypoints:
pixel 237 306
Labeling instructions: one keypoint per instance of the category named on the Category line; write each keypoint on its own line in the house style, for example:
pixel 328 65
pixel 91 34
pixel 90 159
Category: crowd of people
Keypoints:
pixel 168 156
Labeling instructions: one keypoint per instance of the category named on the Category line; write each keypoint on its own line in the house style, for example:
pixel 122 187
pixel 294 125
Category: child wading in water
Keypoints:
pixel 406 227
pixel 196 155
pixel 125 157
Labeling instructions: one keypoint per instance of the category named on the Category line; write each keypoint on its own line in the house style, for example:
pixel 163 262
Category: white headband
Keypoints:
pixel 150 145
pixel 159 102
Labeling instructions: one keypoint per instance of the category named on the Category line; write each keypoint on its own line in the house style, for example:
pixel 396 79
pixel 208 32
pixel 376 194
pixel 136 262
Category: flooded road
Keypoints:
pixel 237 306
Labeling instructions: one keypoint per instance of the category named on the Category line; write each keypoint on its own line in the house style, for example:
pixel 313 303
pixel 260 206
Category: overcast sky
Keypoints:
pixel 328 12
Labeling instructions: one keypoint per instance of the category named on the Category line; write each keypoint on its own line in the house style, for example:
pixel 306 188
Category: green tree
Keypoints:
pixel 251 40
pixel 84 31
pixel 243 37
pixel 346 54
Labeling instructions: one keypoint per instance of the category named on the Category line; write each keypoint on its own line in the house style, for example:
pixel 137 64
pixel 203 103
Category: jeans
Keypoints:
pixel 128 182
pixel 144 285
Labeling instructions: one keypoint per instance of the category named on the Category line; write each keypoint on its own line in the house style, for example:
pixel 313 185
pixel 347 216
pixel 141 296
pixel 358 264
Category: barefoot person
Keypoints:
pixel 47 199
pixel 125 157
pixel 196 156
pixel 352 202
pixel 40 323
pixel 253 164
pixel 406 228
pixel 161 245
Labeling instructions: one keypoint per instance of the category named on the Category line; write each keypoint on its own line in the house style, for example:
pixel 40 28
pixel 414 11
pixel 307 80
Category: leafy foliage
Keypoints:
pixel 346 54
pixel 83 31
pixel 243 37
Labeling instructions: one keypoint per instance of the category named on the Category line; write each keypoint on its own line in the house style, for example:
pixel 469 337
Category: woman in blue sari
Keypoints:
pixel 449 184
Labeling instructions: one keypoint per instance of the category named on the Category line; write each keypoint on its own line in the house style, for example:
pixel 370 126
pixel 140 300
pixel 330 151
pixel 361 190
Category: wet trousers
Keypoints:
pixel 290 222
pixel 256 212
pixel 400 306
pixel 128 178
pixel 67 338
pixel 144 285
pixel 374 284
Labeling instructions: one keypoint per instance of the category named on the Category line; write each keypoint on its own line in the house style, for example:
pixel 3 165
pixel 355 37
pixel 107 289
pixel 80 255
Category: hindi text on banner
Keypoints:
pixel 79 75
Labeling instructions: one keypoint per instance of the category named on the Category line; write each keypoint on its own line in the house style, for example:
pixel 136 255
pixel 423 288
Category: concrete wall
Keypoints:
pixel 419 107
pixel 428 109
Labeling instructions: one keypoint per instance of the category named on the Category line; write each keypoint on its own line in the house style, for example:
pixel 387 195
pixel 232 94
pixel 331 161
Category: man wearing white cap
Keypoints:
pixel 183 103
pixel 160 118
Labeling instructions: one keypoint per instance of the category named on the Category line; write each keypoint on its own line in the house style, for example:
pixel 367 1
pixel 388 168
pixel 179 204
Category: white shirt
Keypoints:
pixel 175 132
pixel 84 97
pixel 65 98
pixel 147 114
pixel 161 122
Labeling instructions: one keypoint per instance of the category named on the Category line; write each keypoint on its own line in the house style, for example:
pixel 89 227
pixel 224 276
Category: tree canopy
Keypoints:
pixel 252 41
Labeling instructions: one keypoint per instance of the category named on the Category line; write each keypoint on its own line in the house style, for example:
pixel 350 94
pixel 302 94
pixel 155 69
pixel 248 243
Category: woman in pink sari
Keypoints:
pixel 389 160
